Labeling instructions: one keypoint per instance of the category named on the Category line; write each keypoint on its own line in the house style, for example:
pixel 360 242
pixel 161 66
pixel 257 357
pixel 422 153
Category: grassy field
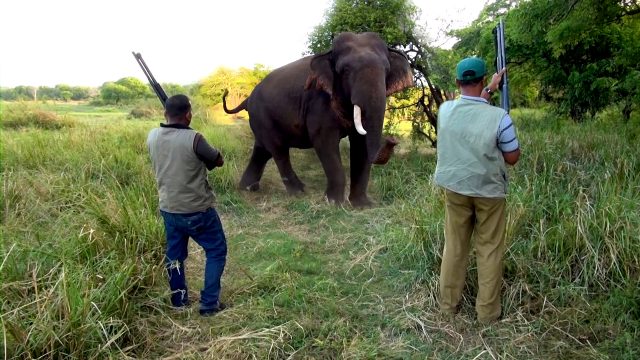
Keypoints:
pixel 81 272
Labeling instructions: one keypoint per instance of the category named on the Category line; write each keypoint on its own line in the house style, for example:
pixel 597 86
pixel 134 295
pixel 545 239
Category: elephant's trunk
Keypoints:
pixel 386 150
pixel 369 105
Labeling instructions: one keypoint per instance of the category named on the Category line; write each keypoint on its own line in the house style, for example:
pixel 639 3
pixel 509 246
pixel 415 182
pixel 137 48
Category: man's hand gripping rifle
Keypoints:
pixel 501 63
pixel 152 81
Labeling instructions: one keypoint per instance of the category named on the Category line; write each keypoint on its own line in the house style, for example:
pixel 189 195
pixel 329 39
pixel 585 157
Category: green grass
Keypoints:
pixel 81 270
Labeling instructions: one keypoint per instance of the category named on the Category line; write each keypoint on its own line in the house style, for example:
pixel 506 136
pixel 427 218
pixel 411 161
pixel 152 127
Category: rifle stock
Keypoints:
pixel 501 63
pixel 152 81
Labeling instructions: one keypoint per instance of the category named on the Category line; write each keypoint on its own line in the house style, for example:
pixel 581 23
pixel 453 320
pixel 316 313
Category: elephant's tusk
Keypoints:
pixel 357 119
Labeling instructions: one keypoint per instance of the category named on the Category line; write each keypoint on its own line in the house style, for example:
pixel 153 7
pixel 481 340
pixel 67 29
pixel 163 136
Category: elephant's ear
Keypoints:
pixel 400 75
pixel 321 76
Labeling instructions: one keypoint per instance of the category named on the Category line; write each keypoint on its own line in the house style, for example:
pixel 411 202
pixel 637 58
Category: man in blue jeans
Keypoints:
pixel 181 159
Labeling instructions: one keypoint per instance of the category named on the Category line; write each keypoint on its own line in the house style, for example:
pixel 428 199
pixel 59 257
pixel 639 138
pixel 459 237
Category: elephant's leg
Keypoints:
pixel 253 173
pixel 360 171
pixel 328 151
pixel 289 177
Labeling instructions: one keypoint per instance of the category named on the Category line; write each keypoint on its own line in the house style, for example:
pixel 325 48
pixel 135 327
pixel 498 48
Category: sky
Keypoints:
pixel 88 42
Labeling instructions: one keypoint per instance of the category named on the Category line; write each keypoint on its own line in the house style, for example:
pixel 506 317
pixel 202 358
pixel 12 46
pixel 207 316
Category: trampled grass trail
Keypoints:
pixel 81 259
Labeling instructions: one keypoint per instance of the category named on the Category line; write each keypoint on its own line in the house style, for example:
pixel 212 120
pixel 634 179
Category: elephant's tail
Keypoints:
pixel 237 109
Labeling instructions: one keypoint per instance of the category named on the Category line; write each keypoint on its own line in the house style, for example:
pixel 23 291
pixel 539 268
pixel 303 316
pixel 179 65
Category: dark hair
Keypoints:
pixel 471 82
pixel 177 105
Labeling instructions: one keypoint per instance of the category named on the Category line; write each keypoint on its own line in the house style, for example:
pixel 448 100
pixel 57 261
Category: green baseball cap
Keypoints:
pixel 470 68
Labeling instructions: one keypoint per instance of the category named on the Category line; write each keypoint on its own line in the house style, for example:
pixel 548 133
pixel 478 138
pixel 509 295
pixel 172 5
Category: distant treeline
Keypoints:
pixel 59 92
pixel 240 82
pixel 123 91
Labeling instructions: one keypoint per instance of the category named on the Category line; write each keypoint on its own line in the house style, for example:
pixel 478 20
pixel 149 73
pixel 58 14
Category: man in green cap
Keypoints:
pixel 475 140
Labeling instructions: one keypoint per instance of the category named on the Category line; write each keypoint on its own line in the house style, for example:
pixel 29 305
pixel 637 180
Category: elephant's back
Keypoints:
pixel 281 90
pixel 292 75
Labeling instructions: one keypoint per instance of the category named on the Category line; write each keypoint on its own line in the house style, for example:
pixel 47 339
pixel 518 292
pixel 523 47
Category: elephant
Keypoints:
pixel 320 99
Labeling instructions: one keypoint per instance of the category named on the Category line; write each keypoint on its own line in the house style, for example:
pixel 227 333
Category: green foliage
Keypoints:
pixel 25 115
pixel 82 250
pixel 174 89
pixel 112 93
pixel 124 90
pixel 141 112
pixel 581 55
pixel 59 92
pixel 442 64
pixel 394 20
pixel 147 108
pixel 239 82
pixel 18 93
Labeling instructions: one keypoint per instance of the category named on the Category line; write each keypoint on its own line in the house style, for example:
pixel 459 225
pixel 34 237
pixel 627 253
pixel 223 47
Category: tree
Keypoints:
pixel 174 89
pixel 21 93
pixel 394 20
pixel 137 88
pixel 124 90
pixel 579 54
pixel 80 93
pixel 48 93
pixel 7 94
pixel 239 82
pixel 112 93
pixel 63 92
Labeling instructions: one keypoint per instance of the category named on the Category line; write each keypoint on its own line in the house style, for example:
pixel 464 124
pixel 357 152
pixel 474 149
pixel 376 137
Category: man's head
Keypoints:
pixel 470 71
pixel 177 109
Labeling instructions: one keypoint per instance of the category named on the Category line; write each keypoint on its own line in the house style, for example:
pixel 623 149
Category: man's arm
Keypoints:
pixel 508 140
pixel 210 156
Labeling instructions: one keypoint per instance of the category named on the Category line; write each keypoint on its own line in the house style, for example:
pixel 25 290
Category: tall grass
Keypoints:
pixel 81 253
pixel 23 114
pixel 573 241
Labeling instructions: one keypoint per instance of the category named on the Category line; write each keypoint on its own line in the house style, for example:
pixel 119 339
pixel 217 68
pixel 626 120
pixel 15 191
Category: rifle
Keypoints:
pixel 152 81
pixel 501 63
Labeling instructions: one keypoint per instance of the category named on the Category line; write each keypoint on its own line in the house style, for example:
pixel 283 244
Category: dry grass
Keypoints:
pixel 81 258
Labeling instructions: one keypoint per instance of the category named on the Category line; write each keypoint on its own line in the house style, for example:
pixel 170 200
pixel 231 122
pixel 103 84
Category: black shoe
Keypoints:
pixel 213 311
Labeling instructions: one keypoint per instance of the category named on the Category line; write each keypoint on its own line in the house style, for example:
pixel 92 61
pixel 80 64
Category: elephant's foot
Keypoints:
pixel 334 200
pixel 294 186
pixel 360 201
pixel 334 194
pixel 250 187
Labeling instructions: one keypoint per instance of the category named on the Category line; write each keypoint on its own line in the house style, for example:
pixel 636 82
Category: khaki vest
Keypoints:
pixel 469 160
pixel 181 176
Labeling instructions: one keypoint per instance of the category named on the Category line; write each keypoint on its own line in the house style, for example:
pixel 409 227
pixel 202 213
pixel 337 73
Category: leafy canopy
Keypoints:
pixel 394 20
pixel 239 82
pixel 124 90
pixel 579 54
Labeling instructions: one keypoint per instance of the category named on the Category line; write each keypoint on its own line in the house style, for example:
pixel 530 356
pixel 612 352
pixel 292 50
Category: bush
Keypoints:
pixel 22 115
pixel 146 109
pixel 138 113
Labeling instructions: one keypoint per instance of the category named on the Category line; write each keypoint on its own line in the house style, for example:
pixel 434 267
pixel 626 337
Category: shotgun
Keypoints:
pixel 501 63
pixel 152 81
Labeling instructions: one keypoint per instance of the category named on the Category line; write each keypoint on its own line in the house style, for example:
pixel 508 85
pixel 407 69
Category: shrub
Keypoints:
pixel 138 113
pixel 23 115
pixel 146 109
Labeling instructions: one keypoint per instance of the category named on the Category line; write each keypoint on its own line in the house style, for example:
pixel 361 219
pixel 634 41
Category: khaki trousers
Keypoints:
pixel 484 217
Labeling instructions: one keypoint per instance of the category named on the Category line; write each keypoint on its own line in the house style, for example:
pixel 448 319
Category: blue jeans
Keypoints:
pixel 206 229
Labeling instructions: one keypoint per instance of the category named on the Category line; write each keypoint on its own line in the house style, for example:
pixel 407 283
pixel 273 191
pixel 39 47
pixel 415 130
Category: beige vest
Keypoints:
pixel 181 176
pixel 469 160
